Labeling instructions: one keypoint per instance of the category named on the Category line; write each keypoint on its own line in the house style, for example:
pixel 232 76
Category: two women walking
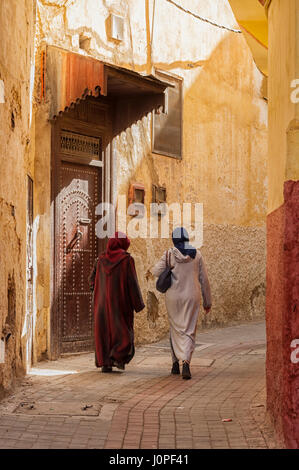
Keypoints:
pixel 117 295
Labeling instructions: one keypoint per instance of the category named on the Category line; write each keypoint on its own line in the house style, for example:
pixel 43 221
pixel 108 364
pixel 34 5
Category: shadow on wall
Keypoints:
pixel 225 137
pixel 223 166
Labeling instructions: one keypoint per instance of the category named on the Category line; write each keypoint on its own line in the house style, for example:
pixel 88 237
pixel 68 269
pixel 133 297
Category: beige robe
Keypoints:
pixel 189 281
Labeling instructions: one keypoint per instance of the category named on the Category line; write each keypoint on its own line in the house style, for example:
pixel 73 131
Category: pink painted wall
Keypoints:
pixel 282 315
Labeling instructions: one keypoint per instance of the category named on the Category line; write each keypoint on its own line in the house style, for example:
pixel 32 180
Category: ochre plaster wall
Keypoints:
pixel 16 162
pixel 283 112
pixel 224 143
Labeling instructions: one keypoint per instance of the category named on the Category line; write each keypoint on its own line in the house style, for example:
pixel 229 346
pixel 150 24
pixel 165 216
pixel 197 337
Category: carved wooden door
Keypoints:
pixel 79 190
pixel 80 180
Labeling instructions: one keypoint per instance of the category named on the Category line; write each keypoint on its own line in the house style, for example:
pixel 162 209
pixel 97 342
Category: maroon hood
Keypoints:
pixel 116 251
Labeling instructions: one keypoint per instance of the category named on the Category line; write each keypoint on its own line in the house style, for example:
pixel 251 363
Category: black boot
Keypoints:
pixel 186 374
pixel 106 369
pixel 175 368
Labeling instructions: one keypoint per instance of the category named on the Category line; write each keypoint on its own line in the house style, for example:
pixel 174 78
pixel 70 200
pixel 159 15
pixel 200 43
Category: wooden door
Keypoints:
pixel 81 154
pixel 79 190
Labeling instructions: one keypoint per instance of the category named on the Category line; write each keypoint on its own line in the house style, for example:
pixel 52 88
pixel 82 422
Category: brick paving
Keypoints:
pixel 69 404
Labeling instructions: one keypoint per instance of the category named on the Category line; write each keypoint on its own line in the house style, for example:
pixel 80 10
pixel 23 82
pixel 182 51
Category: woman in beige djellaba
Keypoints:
pixel 189 281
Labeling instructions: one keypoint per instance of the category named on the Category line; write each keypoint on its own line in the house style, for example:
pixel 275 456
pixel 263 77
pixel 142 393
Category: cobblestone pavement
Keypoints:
pixel 70 404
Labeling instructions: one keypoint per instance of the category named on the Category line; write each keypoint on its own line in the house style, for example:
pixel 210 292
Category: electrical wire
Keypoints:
pixel 204 19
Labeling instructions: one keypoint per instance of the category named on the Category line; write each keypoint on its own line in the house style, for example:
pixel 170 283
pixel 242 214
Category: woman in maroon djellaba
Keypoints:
pixel 116 296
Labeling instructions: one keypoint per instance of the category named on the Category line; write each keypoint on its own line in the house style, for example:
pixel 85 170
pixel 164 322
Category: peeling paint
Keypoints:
pixel 2 92
pixel 16 32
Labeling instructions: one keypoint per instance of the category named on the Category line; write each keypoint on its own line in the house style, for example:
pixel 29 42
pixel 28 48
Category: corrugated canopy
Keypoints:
pixel 68 77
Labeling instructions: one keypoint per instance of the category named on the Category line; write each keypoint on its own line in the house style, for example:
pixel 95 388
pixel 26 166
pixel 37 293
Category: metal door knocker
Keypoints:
pixel 78 236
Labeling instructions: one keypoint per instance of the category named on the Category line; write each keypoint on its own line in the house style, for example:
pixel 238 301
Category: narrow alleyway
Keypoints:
pixel 68 403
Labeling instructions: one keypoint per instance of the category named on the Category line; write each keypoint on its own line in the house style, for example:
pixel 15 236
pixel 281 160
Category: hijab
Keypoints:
pixel 180 240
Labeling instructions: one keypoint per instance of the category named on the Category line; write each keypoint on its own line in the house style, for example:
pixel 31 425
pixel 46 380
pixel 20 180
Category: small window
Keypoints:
pixel 167 120
pixel 159 194
pixel 136 200
pixel 136 193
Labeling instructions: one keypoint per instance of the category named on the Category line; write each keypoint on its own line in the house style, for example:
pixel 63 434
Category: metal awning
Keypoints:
pixel 124 82
pixel 68 77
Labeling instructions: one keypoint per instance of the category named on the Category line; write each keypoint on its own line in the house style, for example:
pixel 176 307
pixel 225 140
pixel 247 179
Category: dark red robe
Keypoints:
pixel 116 296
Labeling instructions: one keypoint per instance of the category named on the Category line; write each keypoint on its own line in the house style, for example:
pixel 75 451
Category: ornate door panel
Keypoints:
pixel 76 243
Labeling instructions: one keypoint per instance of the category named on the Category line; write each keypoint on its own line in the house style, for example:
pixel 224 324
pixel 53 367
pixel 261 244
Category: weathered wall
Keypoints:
pixel 281 316
pixel 283 222
pixel 42 203
pixel 283 112
pixel 291 326
pixel 16 53
pixel 224 142
pixel 223 166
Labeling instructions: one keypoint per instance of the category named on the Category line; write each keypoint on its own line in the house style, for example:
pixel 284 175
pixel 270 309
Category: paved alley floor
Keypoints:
pixel 70 404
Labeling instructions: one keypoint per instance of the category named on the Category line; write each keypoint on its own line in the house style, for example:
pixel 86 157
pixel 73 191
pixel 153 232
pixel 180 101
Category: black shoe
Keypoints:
pixel 175 368
pixel 106 369
pixel 186 374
